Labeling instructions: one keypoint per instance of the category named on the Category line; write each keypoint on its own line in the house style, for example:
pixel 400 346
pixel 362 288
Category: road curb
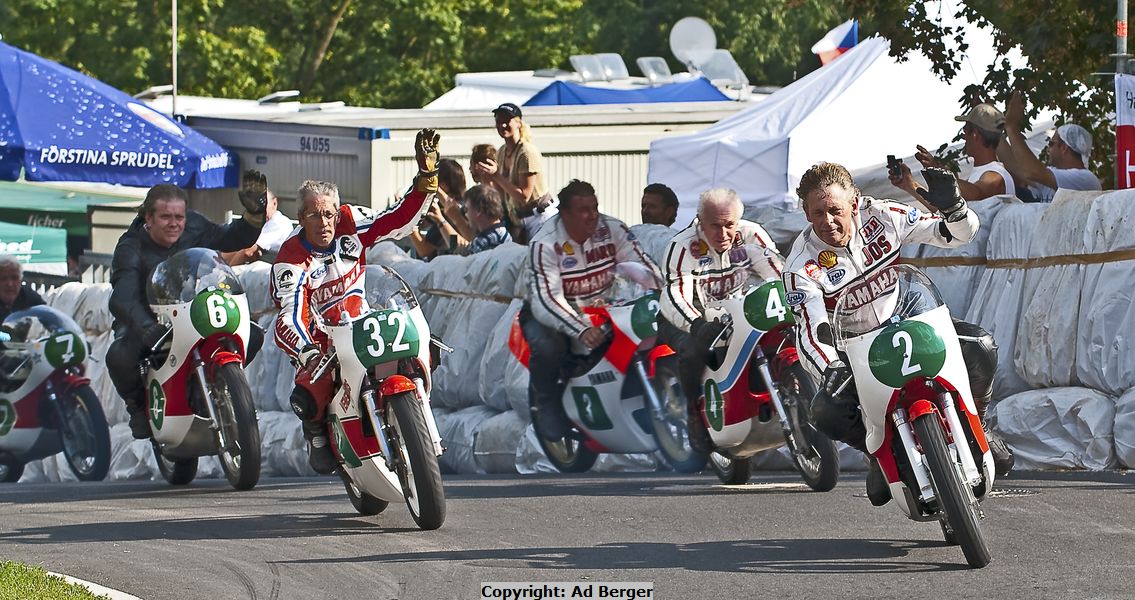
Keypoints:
pixel 96 588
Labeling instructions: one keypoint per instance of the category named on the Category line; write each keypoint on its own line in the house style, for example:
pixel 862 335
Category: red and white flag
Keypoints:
pixel 837 41
pixel 1124 131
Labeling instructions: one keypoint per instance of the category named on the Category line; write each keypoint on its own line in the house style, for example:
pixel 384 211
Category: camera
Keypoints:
pixel 894 166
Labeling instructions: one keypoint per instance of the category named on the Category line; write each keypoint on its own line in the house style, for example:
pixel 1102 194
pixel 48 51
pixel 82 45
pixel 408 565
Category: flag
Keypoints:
pixel 837 41
pixel 1124 131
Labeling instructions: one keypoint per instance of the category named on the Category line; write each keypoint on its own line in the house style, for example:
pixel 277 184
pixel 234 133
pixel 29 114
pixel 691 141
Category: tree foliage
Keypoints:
pixel 1067 43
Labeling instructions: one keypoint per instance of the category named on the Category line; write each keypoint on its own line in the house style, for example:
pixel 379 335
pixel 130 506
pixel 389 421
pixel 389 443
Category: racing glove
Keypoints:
pixel 308 356
pixel 426 153
pixel 704 332
pixel 152 334
pixel 253 195
pixel 835 375
pixel 943 193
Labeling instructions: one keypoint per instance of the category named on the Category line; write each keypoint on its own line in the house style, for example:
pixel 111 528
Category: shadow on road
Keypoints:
pixel 741 556
pixel 617 484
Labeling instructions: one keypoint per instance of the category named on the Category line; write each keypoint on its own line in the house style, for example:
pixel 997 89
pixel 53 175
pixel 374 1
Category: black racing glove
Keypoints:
pixel 835 375
pixel 705 332
pixel 253 195
pixel 943 193
pixel 152 334
pixel 426 153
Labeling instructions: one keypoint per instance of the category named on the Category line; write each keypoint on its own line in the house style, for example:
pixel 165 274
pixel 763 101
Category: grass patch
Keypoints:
pixel 22 582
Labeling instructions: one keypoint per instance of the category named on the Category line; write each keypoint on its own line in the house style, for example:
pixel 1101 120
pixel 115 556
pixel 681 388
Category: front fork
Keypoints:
pixel 382 428
pixel 790 427
pixel 210 401
pixel 653 402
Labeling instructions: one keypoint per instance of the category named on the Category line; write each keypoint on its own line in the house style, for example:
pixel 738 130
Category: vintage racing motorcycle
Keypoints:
pixel 756 393
pixel 913 386
pixel 197 395
pixel 379 421
pixel 46 402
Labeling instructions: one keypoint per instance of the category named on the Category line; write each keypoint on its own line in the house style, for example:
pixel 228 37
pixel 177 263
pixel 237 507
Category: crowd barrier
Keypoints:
pixel 1052 283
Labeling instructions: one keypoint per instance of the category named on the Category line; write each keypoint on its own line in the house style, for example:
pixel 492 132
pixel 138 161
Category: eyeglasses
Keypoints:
pixel 322 216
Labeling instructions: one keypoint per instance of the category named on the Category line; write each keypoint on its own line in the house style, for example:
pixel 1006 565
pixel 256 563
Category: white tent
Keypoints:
pixel 854 111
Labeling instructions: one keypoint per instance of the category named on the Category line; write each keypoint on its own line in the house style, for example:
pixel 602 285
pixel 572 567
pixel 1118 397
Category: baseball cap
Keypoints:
pixel 984 116
pixel 1077 138
pixel 508 108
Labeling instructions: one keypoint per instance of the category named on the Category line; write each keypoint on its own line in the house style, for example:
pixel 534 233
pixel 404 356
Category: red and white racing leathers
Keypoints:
pixel 307 281
pixel 564 274
pixel 696 273
pixel 816 273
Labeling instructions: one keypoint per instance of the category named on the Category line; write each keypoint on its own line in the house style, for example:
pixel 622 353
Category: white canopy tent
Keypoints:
pixel 854 111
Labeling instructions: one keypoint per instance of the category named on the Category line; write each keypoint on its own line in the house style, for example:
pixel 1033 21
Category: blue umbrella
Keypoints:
pixel 57 124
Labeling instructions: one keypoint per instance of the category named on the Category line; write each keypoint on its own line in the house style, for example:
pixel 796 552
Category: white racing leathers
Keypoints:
pixel 565 274
pixel 696 273
pixel 815 273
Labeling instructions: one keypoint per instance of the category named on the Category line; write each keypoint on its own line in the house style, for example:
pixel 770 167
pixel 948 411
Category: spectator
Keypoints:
pixel 480 153
pixel 436 234
pixel 518 173
pixel 984 126
pixel 14 295
pixel 276 229
pixel 484 209
pixel 659 205
pixel 1069 151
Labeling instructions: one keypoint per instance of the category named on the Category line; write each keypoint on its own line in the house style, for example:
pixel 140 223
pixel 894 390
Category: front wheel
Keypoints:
pixel 815 456
pixel 671 430
pixel 731 471
pixel 568 455
pixel 10 471
pixel 240 458
pixel 84 433
pixel 362 501
pixel 177 471
pixel 954 498
pixel 418 471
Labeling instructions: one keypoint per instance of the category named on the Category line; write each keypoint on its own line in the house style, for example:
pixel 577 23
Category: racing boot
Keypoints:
pixel 699 434
pixel 320 457
pixel 878 492
pixel 139 419
pixel 1002 456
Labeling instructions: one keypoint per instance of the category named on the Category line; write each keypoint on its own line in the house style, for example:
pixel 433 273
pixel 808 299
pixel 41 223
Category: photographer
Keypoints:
pixel 437 233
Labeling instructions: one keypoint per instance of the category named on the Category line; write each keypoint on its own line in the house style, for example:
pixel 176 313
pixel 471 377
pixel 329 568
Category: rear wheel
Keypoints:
pixel 84 433
pixel 177 471
pixel 362 501
pixel 671 432
pixel 419 471
pixel 240 459
pixel 816 458
pixel 731 471
pixel 10 471
pixel 954 498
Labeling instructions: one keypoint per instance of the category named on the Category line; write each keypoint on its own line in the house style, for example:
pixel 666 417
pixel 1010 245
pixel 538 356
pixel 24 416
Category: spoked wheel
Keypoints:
pixel 177 471
pixel 671 432
pixel 10 471
pixel 569 454
pixel 817 459
pixel 731 471
pixel 85 435
pixel 954 498
pixel 240 458
pixel 362 501
pixel 419 471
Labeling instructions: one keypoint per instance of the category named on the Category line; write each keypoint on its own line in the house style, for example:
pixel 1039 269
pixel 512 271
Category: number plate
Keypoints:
pixel 383 336
pixel 765 307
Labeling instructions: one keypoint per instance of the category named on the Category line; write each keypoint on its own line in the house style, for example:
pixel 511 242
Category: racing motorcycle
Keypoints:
pixel 922 425
pixel 624 396
pixel 382 429
pixel 756 392
pixel 46 402
pixel 197 396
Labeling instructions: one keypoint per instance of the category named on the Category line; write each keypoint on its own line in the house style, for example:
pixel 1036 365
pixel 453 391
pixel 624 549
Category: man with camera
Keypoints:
pixel 851 240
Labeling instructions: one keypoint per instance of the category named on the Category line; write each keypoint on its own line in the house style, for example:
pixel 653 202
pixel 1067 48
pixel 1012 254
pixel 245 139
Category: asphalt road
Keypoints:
pixel 1064 535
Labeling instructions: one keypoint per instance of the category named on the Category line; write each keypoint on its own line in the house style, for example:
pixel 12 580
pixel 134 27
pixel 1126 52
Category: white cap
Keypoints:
pixel 1077 138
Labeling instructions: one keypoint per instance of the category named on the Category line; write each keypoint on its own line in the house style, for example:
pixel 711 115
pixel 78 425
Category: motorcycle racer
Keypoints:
pixel 851 240
pixel 321 271
pixel 708 260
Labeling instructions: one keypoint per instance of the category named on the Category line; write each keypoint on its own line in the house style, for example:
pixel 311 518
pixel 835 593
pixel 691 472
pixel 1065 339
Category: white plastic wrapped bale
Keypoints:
pixel 101 384
pixel 1059 428
pixel 957 282
pixel 782 225
pixel 283 451
pixel 495 442
pixel 499 388
pixel 530 459
pixel 450 310
pixel 271 375
pixel 458 432
pixel 495 272
pixel 1047 332
pixel 997 302
pixel 654 239
pixel 256 279
pixel 1124 429
pixel 92 312
pixel 388 254
pixel 65 298
pixel 1105 345
pixel 515 382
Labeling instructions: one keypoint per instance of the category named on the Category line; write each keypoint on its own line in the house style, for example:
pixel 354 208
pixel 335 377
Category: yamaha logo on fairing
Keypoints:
pixel 601 377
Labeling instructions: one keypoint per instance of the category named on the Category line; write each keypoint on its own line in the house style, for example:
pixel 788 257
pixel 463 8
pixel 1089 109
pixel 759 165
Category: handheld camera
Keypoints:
pixel 894 166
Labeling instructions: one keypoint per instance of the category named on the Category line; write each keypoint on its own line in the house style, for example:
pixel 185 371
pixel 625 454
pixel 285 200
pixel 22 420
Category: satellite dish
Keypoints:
pixel 692 39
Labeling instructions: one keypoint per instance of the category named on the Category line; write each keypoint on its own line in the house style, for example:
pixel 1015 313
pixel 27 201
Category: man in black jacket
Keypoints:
pixel 14 296
pixel 163 228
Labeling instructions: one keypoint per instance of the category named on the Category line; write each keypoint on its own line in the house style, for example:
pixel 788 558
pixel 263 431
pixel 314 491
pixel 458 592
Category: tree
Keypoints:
pixel 1066 43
